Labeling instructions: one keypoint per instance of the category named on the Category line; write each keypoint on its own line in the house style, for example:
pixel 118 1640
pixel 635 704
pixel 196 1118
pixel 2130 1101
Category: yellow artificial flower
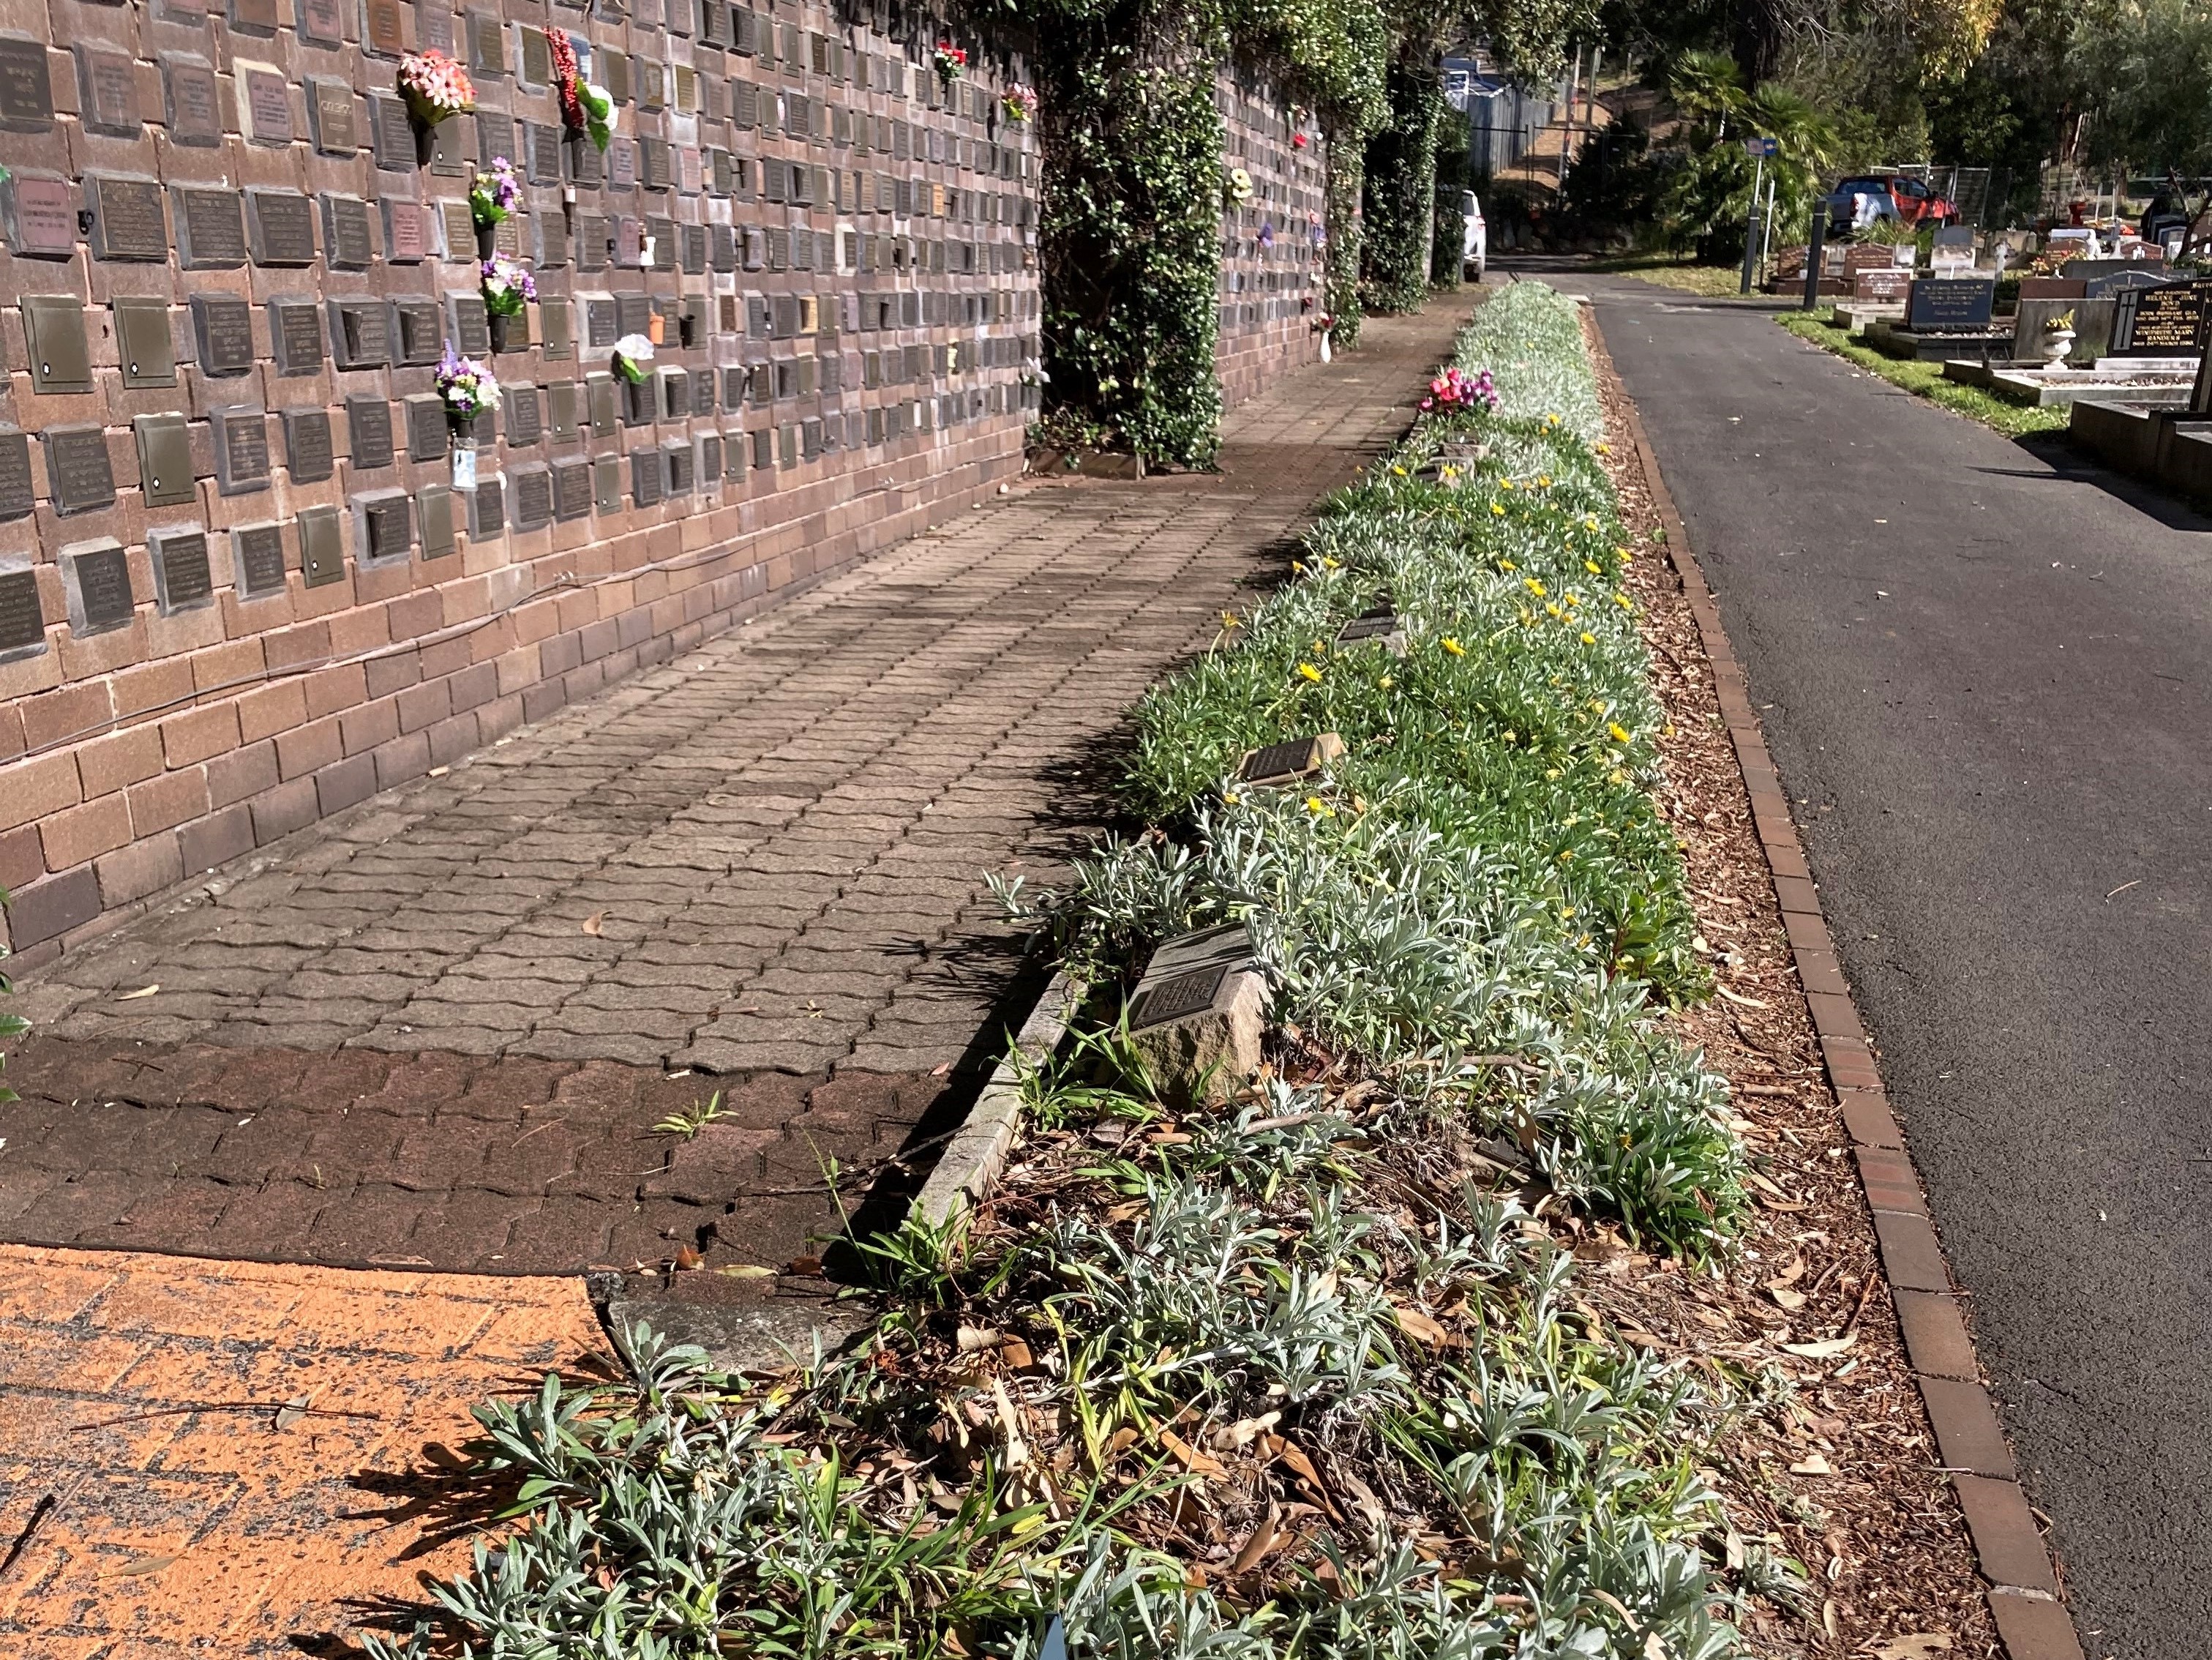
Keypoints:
pixel 1454 647
pixel 1310 672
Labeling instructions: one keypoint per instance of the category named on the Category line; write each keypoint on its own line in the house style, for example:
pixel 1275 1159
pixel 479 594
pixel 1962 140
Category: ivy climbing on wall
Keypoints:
pixel 1401 190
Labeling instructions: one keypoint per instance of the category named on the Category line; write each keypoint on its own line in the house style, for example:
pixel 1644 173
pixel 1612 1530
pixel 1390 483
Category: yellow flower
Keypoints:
pixel 1532 585
pixel 1319 808
pixel 1620 733
pixel 1590 639
pixel 1319 649
pixel 1497 508
pixel 1386 682
pixel 1230 619
pixel 1551 610
pixel 1566 912
pixel 1553 772
pixel 1507 565
pixel 1505 483
pixel 1573 598
pixel 1310 672
pixel 1565 853
pixel 1544 481
pixel 1328 563
pixel 1625 553
pixel 1401 472
pixel 1589 521
pixel 1231 797
pixel 1513 737
pixel 1298 567
pixel 1624 602
pixel 1454 647
pixel 1592 568
pixel 1602 448
pixel 1550 420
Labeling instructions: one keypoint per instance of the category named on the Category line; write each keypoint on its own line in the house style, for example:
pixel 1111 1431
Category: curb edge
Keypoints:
pixel 2010 1550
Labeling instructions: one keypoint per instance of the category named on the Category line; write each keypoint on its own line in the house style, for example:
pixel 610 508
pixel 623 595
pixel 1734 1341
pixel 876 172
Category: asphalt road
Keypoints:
pixel 1986 671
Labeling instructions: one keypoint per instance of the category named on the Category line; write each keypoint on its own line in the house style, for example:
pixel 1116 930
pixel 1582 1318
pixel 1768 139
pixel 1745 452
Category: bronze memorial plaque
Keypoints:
pixel 223 325
pixel 97 579
pixel 188 98
pixel 308 454
pixel 127 219
pixel 257 558
pixel 78 473
pixel 211 227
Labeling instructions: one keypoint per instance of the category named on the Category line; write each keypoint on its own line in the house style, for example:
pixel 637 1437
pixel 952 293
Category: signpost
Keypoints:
pixel 1758 149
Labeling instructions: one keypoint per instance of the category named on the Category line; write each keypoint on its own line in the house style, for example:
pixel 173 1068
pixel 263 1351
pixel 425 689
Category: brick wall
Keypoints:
pixel 225 610
pixel 1273 275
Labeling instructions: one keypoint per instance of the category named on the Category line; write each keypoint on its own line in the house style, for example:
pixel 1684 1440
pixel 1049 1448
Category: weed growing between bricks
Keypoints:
pixel 1309 1374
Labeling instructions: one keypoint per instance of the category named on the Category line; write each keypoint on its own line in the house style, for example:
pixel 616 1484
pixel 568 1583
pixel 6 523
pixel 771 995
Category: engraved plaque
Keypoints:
pixel 561 409
pixel 164 460
pixel 127 221
pixel 487 507
pixel 655 164
pixel 241 450
pixel 182 581
pixel 331 116
pixel 518 404
pixel 223 325
pixel 319 22
pixel 587 166
pixel 554 319
pixel 1175 998
pixel 42 215
pixel 143 343
pixel 645 475
pixel 211 227
pixel 381 30
pixel 384 527
pixel 189 100
pixel 22 622
pixel 390 131
pixel 79 477
pixel 507 235
pixel 257 17
pixel 426 427
pixel 571 488
pixel 97 576
pixel 495 137
pixel 406 232
pixel 694 243
pixel 61 358
pixel 268 107
pixel 108 90
pixel 676 460
pixel 434 25
pixel 533 496
pixel 415 334
pixel 15 497
pixel 257 556
pixel 606 484
pixel 622 164
pixel 471 326
pixel 295 331
pixel 369 434
pixel 542 142
pixel 27 91
pixel 360 333
pixel 460 228
pixel 434 515
pixel 632 314
pixel 322 546
pixel 348 244
pixel 281 228
pixel 651 84
pixel 487 43
pixel 536 71
pixel 595 231
pixel 601 327
pixel 308 455
pixel 710 461
pixel 614 75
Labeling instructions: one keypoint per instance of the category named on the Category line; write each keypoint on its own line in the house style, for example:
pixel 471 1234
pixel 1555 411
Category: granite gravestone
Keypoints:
pixel 1944 305
pixel 2174 321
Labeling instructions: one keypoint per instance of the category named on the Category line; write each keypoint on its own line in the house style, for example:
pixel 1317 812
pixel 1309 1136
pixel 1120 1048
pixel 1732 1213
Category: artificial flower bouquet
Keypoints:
pixel 435 87
pixel 507 285
pixel 496 194
pixel 467 388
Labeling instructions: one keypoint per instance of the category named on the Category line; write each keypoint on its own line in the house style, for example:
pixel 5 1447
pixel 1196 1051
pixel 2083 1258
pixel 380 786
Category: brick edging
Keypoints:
pixel 2014 1558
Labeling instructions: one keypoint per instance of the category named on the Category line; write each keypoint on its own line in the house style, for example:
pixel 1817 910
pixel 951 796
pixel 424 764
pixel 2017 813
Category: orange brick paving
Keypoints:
pixel 280 1539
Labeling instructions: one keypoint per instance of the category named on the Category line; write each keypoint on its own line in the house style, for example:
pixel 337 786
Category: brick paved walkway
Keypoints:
pixel 437 1031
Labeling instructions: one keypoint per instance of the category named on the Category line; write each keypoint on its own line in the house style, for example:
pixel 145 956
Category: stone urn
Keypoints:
pixel 2057 345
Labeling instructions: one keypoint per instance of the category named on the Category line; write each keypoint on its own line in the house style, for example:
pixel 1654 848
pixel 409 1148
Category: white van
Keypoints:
pixel 1475 249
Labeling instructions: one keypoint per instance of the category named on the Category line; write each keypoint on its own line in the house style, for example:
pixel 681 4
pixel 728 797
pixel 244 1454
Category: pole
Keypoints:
pixel 1816 248
pixel 1751 222
pixel 1766 232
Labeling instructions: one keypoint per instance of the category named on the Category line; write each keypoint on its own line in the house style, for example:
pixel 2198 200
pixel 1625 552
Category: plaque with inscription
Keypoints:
pixel 383 526
pixel 532 486
pixel 622 164
pixel 53 330
pixel 655 164
pixel 632 314
pixel 693 238
pixel 97 576
pixel 360 333
pixel 281 227
pixel 2172 321
pixel 434 516
pixel 651 84
pixel 309 455
pixel 487 43
pixel 542 153
pixel 595 239
pixel 507 235
pixel 554 320
pixel 26 91
pixel 348 244
pixel 322 546
pixel 487 507
pixel 267 107
pixel 601 326
pixel 211 227
pixel 381 30
pixel 646 478
pixel 319 22
pixel 256 17
pixel 332 117
pixel 108 90
pixel 536 67
pixel 23 620
pixel 460 230
pixel 434 25
pixel 560 409
pixel 296 332
pixel 222 325
pixel 710 461
pixel 257 558
pixel 518 401
pixel 406 232
pixel 550 235
pixel 147 350
pixel 471 326
pixel 586 166
pixel 415 332
pixel 16 495
pixel 614 73
pixel 241 449
pixel 79 477
pixel 127 219
pixel 182 581
pixel 571 488
pixel 676 460
pixel 390 133
pixel 369 434
pixel 495 136
pixel 426 427
pixel 188 101
pixel 1936 304
pixel 165 461
pixel 41 214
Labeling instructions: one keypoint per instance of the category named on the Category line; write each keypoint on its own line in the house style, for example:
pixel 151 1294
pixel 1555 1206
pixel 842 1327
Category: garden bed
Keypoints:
pixel 1489 1320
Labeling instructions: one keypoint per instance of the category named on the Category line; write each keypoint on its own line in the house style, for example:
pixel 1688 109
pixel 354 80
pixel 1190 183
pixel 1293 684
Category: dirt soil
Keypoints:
pixel 1846 1478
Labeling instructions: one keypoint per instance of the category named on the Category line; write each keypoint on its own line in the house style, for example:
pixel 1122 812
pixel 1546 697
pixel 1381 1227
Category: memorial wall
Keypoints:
pixel 254 567
pixel 1273 275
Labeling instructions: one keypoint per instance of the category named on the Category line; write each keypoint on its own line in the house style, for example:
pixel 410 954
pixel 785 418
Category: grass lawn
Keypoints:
pixel 1924 380
pixel 1713 282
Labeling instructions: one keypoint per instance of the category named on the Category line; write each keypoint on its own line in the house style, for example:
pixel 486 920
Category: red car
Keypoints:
pixel 1895 197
